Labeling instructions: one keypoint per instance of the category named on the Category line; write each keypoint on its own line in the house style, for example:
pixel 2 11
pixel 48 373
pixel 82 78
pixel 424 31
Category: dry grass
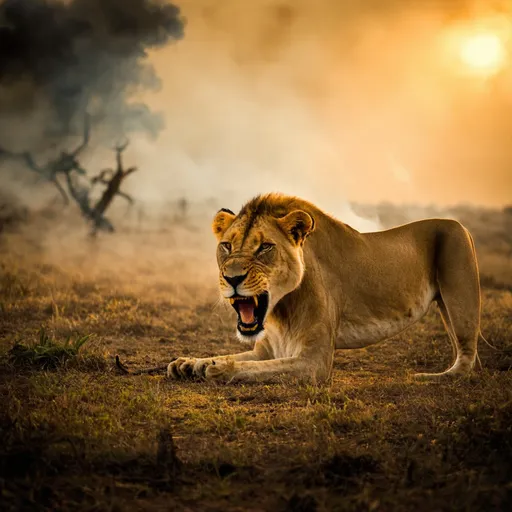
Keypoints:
pixel 80 436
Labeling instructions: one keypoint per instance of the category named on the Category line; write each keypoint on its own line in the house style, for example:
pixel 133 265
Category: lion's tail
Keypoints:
pixel 481 337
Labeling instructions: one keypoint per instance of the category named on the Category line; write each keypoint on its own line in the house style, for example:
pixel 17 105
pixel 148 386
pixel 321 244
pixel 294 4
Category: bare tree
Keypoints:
pixel 112 180
pixel 67 164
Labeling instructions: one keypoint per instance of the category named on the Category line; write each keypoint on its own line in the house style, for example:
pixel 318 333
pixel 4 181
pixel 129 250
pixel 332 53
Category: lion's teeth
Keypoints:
pixel 255 300
pixel 232 301
pixel 253 328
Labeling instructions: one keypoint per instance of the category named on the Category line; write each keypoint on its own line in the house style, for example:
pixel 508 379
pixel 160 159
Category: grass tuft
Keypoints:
pixel 46 353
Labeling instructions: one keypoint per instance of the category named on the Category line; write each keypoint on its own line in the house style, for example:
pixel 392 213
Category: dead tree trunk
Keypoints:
pixel 113 187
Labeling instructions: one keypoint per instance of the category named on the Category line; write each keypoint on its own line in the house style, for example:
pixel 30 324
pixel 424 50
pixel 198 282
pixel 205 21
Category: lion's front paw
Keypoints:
pixel 220 371
pixel 181 368
pixel 188 368
pixel 200 367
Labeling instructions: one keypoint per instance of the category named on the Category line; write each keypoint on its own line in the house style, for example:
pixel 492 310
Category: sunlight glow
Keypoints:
pixel 479 47
pixel 484 53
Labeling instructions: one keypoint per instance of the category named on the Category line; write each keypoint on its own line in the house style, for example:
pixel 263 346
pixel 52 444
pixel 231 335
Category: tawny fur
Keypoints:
pixel 332 287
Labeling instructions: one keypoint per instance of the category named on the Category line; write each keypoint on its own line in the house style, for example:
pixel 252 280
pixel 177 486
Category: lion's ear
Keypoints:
pixel 298 225
pixel 222 221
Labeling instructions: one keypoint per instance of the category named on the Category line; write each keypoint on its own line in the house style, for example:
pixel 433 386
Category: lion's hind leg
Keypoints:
pixel 462 364
pixel 459 287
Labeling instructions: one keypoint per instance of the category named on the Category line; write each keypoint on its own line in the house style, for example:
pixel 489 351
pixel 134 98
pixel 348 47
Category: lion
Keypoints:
pixel 304 284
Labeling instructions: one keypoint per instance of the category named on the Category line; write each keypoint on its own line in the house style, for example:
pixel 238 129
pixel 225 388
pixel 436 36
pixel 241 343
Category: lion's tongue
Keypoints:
pixel 246 310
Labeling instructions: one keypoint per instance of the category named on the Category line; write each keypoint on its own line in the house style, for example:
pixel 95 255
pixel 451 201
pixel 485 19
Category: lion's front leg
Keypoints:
pixel 300 368
pixel 195 368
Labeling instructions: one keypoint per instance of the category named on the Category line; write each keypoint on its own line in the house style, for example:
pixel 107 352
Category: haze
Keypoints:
pixel 334 102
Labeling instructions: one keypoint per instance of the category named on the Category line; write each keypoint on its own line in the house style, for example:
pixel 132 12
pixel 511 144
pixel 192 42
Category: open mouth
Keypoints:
pixel 251 312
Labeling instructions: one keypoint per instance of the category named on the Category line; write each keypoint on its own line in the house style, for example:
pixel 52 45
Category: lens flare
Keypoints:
pixel 484 53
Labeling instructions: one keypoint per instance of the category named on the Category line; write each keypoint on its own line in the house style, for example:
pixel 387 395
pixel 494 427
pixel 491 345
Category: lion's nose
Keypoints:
pixel 234 281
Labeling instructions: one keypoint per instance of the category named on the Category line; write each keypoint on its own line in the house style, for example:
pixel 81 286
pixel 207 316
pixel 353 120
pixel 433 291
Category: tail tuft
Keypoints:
pixel 481 337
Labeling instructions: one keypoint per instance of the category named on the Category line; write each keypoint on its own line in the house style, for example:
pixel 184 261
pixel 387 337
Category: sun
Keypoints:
pixel 483 53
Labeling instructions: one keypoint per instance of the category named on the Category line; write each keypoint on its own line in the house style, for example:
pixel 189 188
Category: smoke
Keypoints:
pixel 59 60
pixel 333 101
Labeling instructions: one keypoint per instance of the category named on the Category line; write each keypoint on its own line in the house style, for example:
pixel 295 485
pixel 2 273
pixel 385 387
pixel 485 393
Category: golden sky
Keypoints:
pixel 400 101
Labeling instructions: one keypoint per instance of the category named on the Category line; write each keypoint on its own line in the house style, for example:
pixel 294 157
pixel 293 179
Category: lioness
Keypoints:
pixel 304 284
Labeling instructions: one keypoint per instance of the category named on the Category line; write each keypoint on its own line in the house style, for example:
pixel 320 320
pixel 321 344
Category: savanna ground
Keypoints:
pixel 75 434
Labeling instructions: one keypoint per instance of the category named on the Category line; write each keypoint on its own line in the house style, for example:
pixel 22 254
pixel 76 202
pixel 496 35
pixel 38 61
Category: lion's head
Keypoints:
pixel 260 258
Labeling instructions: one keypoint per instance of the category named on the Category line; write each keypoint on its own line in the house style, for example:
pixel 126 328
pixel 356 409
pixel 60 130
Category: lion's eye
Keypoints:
pixel 265 247
pixel 226 246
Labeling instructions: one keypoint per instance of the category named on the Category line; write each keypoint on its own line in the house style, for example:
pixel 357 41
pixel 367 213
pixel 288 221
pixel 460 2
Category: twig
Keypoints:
pixel 145 371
